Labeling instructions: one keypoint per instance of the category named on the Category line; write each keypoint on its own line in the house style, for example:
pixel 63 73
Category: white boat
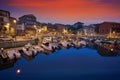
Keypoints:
pixel 34 51
pixel 38 49
pixel 55 46
pixel 65 44
pixel 77 44
pixel 13 54
pixel 98 41
pixel 10 55
pixel 18 55
pixel 83 43
pixel 27 52
pixel 47 46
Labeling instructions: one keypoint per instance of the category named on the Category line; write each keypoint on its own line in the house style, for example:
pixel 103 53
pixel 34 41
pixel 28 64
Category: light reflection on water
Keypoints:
pixel 66 64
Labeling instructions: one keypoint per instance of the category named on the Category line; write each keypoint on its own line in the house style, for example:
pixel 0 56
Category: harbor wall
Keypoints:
pixel 14 44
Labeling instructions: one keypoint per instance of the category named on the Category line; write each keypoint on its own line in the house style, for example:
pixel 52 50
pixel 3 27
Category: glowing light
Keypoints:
pixel 65 31
pixel 44 28
pixel 111 49
pixel 85 32
pixel 14 21
pixel 18 71
pixel 35 26
pixel 1 48
pixel 91 34
pixel 39 30
pixel 113 32
pixel 8 24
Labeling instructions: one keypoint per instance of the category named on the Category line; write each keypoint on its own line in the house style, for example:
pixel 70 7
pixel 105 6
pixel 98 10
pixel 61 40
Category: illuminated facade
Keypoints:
pixel 28 25
pixel 110 28
pixel 7 23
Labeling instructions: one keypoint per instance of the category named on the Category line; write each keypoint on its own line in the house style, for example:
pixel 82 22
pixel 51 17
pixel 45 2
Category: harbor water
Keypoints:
pixel 65 64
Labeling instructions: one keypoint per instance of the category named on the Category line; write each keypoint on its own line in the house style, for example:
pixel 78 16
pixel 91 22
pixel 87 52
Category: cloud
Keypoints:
pixel 66 10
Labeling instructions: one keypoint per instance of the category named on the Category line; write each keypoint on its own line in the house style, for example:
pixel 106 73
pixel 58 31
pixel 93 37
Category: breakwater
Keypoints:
pixel 14 44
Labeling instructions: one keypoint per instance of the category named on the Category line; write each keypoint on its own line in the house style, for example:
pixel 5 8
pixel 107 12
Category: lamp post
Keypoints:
pixel 113 34
pixel 7 26
pixel 15 30
pixel 14 21
pixel 35 30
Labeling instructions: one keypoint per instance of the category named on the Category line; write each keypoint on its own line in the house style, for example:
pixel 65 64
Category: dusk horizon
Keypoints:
pixel 59 39
pixel 65 11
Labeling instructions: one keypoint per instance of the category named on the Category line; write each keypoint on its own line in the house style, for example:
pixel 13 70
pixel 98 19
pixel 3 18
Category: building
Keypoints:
pixel 4 16
pixel 12 29
pixel 20 29
pixel 7 23
pixel 28 24
pixel 29 20
pixel 91 30
pixel 59 27
pixel 96 26
pixel 109 28
pixel 50 27
pixel 53 29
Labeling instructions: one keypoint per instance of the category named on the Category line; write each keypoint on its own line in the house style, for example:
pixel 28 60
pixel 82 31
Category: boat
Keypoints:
pixel 107 50
pixel 55 46
pixel 77 44
pixel 13 54
pixel 65 44
pixel 38 49
pixel 47 47
pixel 27 52
pixel 83 43
pixel 5 62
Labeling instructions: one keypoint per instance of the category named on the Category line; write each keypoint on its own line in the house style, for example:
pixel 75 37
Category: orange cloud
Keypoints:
pixel 68 9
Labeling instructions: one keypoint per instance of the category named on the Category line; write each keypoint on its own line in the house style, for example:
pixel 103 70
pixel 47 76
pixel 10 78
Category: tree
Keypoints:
pixel 71 28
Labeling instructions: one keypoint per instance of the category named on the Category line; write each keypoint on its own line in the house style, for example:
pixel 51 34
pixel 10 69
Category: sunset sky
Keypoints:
pixel 65 11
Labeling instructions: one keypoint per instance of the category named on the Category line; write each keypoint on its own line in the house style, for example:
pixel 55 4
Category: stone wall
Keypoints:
pixel 14 44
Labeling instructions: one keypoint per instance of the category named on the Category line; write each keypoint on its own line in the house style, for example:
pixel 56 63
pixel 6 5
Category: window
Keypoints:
pixel 3 14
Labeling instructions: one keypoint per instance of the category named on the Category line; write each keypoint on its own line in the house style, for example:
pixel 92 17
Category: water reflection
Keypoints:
pixel 5 63
pixel 108 50
pixel 18 71
pixel 102 51
pixel 66 64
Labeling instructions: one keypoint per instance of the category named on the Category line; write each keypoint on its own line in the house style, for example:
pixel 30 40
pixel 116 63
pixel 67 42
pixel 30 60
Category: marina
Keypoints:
pixel 59 40
pixel 29 51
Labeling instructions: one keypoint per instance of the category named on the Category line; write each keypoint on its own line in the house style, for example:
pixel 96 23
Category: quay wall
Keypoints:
pixel 14 44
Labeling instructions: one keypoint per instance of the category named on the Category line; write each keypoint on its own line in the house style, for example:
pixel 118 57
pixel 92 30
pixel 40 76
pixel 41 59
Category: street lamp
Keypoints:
pixel 14 21
pixel 35 30
pixel 114 34
pixel 2 49
pixel 7 26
